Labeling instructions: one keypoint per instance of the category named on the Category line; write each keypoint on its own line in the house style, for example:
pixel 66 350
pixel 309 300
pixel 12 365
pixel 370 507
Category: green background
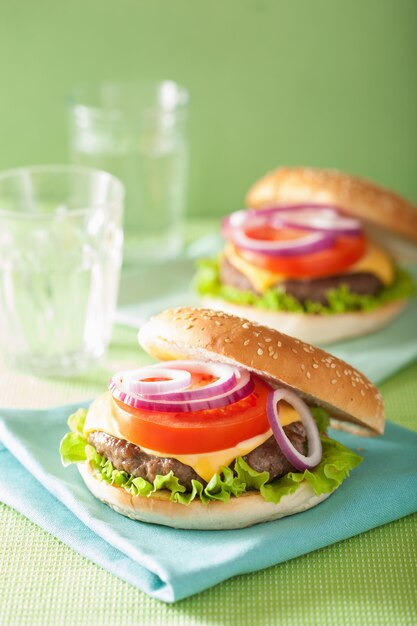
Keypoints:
pixel 324 83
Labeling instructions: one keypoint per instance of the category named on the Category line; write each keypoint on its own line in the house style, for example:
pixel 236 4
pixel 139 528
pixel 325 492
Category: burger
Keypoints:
pixel 316 255
pixel 227 430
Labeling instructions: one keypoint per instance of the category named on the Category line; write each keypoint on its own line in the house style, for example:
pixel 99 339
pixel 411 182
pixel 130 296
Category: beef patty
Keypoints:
pixel 313 289
pixel 127 457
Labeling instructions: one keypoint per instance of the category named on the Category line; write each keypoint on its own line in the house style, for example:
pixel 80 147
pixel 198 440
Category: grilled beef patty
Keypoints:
pixel 127 457
pixel 313 289
pixel 269 458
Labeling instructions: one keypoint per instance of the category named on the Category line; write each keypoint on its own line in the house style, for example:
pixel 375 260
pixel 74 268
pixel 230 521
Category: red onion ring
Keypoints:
pixel 226 380
pixel 312 242
pixel 322 222
pixel 243 387
pixel 233 227
pixel 323 219
pixel 298 460
pixel 176 379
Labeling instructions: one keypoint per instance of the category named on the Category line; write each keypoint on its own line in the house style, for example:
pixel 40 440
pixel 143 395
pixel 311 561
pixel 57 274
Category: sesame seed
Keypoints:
pixel 217 322
pixel 279 344
pixel 308 375
pixel 294 350
pixel 334 381
pixel 245 325
pixel 303 366
pixel 246 342
pixel 275 356
pixel 333 365
pixel 268 339
pixel 315 366
pixel 260 351
pixel 227 340
pixel 362 392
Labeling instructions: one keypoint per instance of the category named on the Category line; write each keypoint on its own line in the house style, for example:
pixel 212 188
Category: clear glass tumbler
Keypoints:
pixel 60 257
pixel 137 131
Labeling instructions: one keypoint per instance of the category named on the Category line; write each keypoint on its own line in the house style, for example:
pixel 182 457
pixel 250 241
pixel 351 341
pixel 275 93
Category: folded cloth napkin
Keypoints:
pixel 171 564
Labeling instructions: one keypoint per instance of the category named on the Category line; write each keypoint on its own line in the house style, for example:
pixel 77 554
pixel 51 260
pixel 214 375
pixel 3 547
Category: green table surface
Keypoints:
pixel 369 579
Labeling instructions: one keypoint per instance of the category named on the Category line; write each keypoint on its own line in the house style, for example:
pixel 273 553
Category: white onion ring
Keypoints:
pixel 312 242
pixel 322 222
pixel 233 228
pixel 243 387
pixel 226 380
pixel 318 219
pixel 176 379
pixel 298 460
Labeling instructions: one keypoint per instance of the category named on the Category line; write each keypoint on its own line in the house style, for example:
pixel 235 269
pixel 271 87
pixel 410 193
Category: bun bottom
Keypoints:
pixel 246 510
pixel 315 328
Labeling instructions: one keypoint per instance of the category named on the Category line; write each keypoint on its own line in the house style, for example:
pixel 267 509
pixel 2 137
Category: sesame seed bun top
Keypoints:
pixel 320 378
pixel 359 197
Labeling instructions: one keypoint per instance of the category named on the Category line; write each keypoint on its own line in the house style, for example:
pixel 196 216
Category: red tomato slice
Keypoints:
pixel 345 252
pixel 268 233
pixel 200 431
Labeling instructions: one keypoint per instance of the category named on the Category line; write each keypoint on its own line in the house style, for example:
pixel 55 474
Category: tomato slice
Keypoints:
pixel 198 431
pixel 268 233
pixel 345 251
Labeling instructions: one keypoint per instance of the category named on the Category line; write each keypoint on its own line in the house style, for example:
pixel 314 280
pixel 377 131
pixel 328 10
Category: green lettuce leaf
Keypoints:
pixel 340 300
pixel 321 418
pixel 335 466
pixel 76 421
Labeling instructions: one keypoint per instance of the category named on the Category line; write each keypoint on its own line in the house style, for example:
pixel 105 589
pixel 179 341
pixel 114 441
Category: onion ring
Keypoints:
pixel 298 460
pixel 243 387
pixel 319 219
pixel 175 379
pixel 235 225
pixel 322 223
pixel 225 374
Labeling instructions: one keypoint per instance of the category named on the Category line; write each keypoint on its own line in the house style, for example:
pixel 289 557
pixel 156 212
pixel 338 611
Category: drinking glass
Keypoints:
pixel 60 257
pixel 137 131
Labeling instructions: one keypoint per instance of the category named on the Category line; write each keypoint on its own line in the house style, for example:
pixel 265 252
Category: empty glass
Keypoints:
pixel 137 131
pixel 60 257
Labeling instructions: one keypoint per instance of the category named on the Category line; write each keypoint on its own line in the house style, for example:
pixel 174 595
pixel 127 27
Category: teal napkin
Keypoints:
pixel 171 564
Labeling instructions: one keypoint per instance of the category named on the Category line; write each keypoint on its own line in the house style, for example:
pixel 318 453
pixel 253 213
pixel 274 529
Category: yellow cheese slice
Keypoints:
pixel 375 260
pixel 260 278
pixel 102 416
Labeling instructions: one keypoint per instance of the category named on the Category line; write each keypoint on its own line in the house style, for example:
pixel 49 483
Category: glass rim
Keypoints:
pixel 62 169
pixel 80 104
